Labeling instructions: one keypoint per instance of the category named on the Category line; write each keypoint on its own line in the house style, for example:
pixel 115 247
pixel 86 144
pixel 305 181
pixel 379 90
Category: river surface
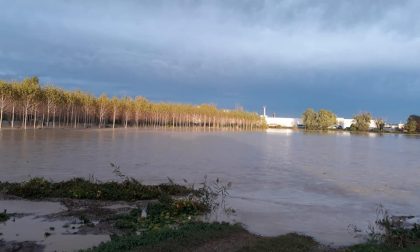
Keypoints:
pixel 282 180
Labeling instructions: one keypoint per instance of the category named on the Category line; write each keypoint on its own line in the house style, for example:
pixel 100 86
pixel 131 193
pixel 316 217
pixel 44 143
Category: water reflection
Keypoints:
pixel 281 131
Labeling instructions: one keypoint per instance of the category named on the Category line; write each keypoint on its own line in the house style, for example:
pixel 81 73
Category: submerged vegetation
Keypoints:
pixel 28 104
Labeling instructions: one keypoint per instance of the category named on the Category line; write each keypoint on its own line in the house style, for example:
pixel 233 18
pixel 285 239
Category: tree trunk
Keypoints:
pixel 13 115
pixel 48 115
pixel 35 119
pixel 1 117
pixel 25 117
pixel 113 119
pixel 54 118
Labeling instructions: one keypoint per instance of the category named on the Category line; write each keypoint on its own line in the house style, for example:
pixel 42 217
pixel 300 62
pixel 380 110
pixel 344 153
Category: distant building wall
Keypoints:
pixel 344 123
pixel 372 124
pixel 282 122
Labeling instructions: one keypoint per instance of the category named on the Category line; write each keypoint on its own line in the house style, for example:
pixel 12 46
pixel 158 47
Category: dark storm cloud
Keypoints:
pixel 292 53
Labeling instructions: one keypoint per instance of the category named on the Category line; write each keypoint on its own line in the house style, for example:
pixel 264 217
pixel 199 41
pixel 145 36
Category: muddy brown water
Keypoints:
pixel 283 180
pixel 33 224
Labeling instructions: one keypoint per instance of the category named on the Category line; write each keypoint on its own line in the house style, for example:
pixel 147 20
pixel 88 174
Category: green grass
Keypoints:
pixel 171 225
pixel 191 236
pixel 79 188
pixel 186 236
pixel 287 243
pixel 164 213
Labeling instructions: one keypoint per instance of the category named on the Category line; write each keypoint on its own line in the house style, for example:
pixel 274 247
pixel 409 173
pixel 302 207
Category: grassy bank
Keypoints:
pixel 168 223
pixel 79 188
pixel 200 236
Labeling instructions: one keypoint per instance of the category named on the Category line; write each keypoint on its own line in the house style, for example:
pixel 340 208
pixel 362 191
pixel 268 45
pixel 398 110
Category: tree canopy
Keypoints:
pixel 413 124
pixel 321 120
pixel 361 121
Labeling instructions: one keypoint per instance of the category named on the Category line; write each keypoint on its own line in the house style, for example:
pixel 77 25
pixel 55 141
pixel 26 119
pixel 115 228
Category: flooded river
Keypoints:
pixel 283 180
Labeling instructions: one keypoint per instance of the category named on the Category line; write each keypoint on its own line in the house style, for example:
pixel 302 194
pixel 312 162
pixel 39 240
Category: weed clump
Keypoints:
pixel 4 216
pixel 393 233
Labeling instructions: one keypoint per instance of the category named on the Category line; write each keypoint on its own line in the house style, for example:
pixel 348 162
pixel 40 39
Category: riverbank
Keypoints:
pixel 166 217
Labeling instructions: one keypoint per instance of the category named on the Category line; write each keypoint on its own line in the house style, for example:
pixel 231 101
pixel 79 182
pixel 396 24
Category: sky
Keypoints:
pixel 346 56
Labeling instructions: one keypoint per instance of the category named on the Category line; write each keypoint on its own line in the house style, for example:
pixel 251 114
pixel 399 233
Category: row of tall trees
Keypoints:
pixel 28 104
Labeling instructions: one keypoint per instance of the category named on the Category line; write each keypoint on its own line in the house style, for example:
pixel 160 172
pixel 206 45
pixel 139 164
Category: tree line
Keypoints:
pixel 325 119
pixel 27 103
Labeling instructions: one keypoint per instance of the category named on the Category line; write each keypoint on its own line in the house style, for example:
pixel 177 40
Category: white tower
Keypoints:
pixel 264 108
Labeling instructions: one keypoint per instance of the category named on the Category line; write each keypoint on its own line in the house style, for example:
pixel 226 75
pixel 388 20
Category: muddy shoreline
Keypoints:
pixel 167 222
pixel 87 219
pixel 52 227
pixel 95 217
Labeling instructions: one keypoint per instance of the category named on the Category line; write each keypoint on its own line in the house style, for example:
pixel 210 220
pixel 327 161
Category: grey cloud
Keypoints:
pixel 215 35
pixel 193 45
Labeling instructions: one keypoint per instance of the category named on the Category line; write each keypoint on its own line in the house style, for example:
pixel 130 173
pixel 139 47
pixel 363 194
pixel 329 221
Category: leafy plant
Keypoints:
pixel 213 195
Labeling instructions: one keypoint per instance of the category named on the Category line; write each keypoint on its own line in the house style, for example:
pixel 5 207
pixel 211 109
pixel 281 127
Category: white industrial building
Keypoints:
pixel 283 122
